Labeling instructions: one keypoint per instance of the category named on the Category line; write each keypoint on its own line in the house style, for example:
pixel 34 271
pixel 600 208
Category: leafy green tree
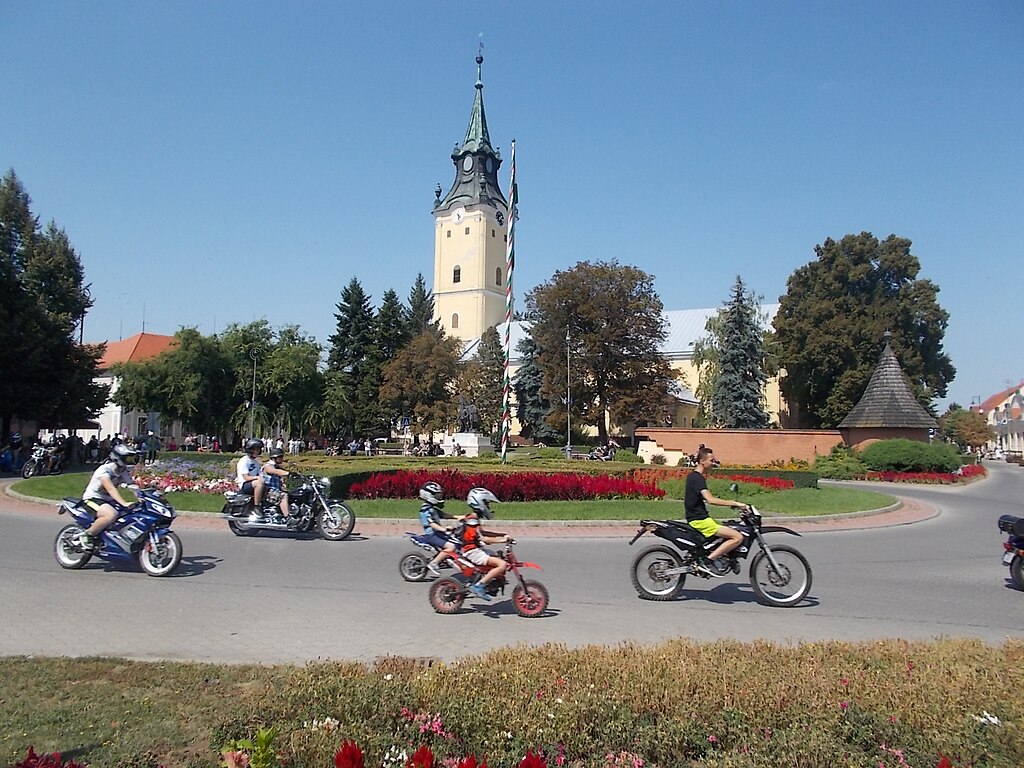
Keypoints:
pixel 831 320
pixel 737 394
pixel 532 409
pixel 615 325
pixel 294 382
pixel 49 376
pixel 487 387
pixel 419 381
pixel 421 308
pixel 349 356
pixel 968 429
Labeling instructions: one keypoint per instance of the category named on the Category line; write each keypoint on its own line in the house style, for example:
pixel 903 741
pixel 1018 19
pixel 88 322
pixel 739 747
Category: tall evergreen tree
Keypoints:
pixel 421 308
pixel 737 400
pixel 350 346
pixel 390 334
pixel 532 408
pixel 832 318
pixel 487 394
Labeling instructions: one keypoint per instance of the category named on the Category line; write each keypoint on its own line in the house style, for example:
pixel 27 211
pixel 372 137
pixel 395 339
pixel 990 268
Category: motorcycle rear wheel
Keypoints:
pixel 240 529
pixel 164 559
pixel 336 522
pixel 530 599
pixel 649 579
pixel 413 566
pixel 785 588
pixel 446 596
pixel 1017 571
pixel 69 555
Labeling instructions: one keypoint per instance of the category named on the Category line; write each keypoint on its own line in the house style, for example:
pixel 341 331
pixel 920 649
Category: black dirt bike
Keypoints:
pixel 309 508
pixel 779 574
pixel 1013 547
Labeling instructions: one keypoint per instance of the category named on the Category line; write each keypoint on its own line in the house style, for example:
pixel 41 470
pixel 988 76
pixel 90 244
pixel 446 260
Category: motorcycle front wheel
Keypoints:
pixel 1017 571
pixel 785 587
pixel 413 566
pixel 446 596
pixel 530 599
pixel 162 559
pixel 649 577
pixel 28 469
pixel 69 555
pixel 336 521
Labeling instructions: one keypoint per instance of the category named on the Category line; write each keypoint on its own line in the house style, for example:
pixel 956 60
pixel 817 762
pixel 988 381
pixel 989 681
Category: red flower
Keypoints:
pixel 422 758
pixel 469 761
pixel 532 761
pixel 349 756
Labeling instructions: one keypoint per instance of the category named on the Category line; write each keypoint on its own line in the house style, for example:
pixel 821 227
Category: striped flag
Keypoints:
pixel 510 264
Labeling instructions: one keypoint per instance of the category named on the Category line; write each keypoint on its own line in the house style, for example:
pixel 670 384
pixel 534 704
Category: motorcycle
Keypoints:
pixel 309 508
pixel 779 574
pixel 1013 547
pixel 141 533
pixel 39 463
pixel 529 598
pixel 413 565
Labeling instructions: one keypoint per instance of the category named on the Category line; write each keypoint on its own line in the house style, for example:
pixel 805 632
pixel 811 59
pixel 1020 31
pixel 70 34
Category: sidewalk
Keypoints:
pixel 904 512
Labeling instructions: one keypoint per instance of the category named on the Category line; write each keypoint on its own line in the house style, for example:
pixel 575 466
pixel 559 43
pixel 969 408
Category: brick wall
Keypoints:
pixel 738 446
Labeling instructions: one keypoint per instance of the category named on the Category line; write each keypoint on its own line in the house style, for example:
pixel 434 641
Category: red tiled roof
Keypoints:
pixel 998 398
pixel 137 348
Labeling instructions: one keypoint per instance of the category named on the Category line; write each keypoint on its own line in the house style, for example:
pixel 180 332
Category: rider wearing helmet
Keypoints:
pixel 473 539
pixel 248 476
pixel 431 514
pixel 101 494
pixel 273 474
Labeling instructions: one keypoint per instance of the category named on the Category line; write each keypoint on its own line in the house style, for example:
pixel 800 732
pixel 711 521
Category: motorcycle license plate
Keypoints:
pixel 1007 558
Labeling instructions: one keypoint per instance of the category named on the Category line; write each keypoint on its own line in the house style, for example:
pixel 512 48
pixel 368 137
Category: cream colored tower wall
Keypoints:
pixel 474 242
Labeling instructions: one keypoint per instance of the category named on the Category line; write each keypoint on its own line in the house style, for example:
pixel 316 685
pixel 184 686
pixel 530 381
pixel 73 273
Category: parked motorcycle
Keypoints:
pixel 413 565
pixel 309 508
pixel 529 598
pixel 39 463
pixel 1013 555
pixel 141 533
pixel 779 574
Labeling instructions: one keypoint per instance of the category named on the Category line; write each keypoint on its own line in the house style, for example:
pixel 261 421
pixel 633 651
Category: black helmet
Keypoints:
pixel 254 445
pixel 123 456
pixel 433 494
pixel 276 453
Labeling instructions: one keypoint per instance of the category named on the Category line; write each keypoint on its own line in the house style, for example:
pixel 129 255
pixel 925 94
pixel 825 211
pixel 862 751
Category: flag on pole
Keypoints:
pixel 510 263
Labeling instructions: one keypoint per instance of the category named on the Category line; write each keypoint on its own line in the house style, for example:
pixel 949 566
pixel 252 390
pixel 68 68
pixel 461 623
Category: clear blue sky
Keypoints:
pixel 227 161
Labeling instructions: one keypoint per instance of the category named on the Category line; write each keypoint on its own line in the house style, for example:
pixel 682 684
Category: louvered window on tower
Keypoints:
pixel 497 276
pixel 457 275
pixel 455 320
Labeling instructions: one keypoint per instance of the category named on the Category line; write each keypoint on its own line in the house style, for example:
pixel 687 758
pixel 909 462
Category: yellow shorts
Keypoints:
pixel 708 526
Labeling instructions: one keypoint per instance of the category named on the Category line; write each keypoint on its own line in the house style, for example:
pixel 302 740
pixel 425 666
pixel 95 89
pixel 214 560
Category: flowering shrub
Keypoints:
pixel 177 475
pixel 32 760
pixel 965 472
pixel 507 486
pixel 656 475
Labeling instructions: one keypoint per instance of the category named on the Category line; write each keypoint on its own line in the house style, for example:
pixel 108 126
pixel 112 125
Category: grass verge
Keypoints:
pixel 810 705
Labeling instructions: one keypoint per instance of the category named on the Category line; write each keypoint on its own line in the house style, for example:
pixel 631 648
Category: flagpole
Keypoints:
pixel 510 263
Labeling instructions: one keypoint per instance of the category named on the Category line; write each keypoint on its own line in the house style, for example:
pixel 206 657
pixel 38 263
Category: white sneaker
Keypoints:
pixel 433 569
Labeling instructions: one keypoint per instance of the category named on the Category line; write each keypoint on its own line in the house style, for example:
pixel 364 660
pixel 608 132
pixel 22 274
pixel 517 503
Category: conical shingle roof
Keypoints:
pixel 889 400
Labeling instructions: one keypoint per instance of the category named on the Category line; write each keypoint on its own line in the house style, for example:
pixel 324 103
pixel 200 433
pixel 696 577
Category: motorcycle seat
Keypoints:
pixel 1011 524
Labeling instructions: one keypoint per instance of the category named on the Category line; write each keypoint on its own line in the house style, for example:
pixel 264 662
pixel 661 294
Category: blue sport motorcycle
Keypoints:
pixel 141 533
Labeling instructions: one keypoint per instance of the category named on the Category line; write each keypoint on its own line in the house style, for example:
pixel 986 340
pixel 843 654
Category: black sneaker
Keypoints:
pixel 705 568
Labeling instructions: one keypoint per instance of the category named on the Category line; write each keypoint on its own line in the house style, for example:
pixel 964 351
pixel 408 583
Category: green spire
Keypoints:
pixel 477 137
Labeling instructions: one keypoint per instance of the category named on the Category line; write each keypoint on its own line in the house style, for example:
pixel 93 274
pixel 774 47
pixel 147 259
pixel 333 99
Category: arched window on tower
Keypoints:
pixel 497 275
pixel 457 275
pixel 455 320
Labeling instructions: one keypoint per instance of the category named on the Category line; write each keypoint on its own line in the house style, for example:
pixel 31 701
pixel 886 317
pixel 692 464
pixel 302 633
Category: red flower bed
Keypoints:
pixel 965 472
pixel 507 486
pixel 654 475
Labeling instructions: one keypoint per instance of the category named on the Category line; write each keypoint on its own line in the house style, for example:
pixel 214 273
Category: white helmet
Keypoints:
pixel 478 499
pixel 433 494
pixel 122 455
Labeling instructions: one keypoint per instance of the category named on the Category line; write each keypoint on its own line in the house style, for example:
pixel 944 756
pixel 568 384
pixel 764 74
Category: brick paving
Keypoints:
pixel 907 511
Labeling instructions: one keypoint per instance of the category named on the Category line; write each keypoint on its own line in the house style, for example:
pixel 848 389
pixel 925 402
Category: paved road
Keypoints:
pixel 279 599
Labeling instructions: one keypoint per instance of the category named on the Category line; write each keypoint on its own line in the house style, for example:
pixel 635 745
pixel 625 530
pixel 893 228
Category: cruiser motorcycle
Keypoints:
pixel 141 533
pixel 779 574
pixel 309 507
pixel 529 597
pixel 1013 547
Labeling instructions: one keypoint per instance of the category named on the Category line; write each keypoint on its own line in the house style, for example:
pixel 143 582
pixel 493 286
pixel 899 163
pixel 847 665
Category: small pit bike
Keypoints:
pixel 309 508
pixel 529 598
pixel 413 565
pixel 1013 547
pixel 779 575
pixel 141 533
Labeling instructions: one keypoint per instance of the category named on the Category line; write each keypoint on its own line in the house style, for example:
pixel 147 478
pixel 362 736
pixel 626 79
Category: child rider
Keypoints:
pixel 431 514
pixel 473 539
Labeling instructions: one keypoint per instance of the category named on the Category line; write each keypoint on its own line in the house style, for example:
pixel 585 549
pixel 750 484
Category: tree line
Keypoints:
pixel 592 353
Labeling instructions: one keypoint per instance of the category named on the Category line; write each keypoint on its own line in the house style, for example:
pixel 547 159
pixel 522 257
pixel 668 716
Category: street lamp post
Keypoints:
pixel 254 354
pixel 568 401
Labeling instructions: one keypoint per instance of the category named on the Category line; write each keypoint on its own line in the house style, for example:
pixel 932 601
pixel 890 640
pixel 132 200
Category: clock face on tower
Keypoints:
pixel 467 163
pixel 500 217
pixel 458 215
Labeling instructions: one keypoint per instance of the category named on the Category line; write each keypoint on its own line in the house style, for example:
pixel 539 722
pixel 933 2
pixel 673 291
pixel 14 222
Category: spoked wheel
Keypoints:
pixel 785 587
pixel 161 558
pixel 530 599
pixel 28 468
pixel 650 577
pixel 66 549
pixel 1017 571
pixel 336 522
pixel 446 596
pixel 413 566
pixel 239 529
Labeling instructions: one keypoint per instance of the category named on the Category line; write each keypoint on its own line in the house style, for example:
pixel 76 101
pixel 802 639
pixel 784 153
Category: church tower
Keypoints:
pixel 470 231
